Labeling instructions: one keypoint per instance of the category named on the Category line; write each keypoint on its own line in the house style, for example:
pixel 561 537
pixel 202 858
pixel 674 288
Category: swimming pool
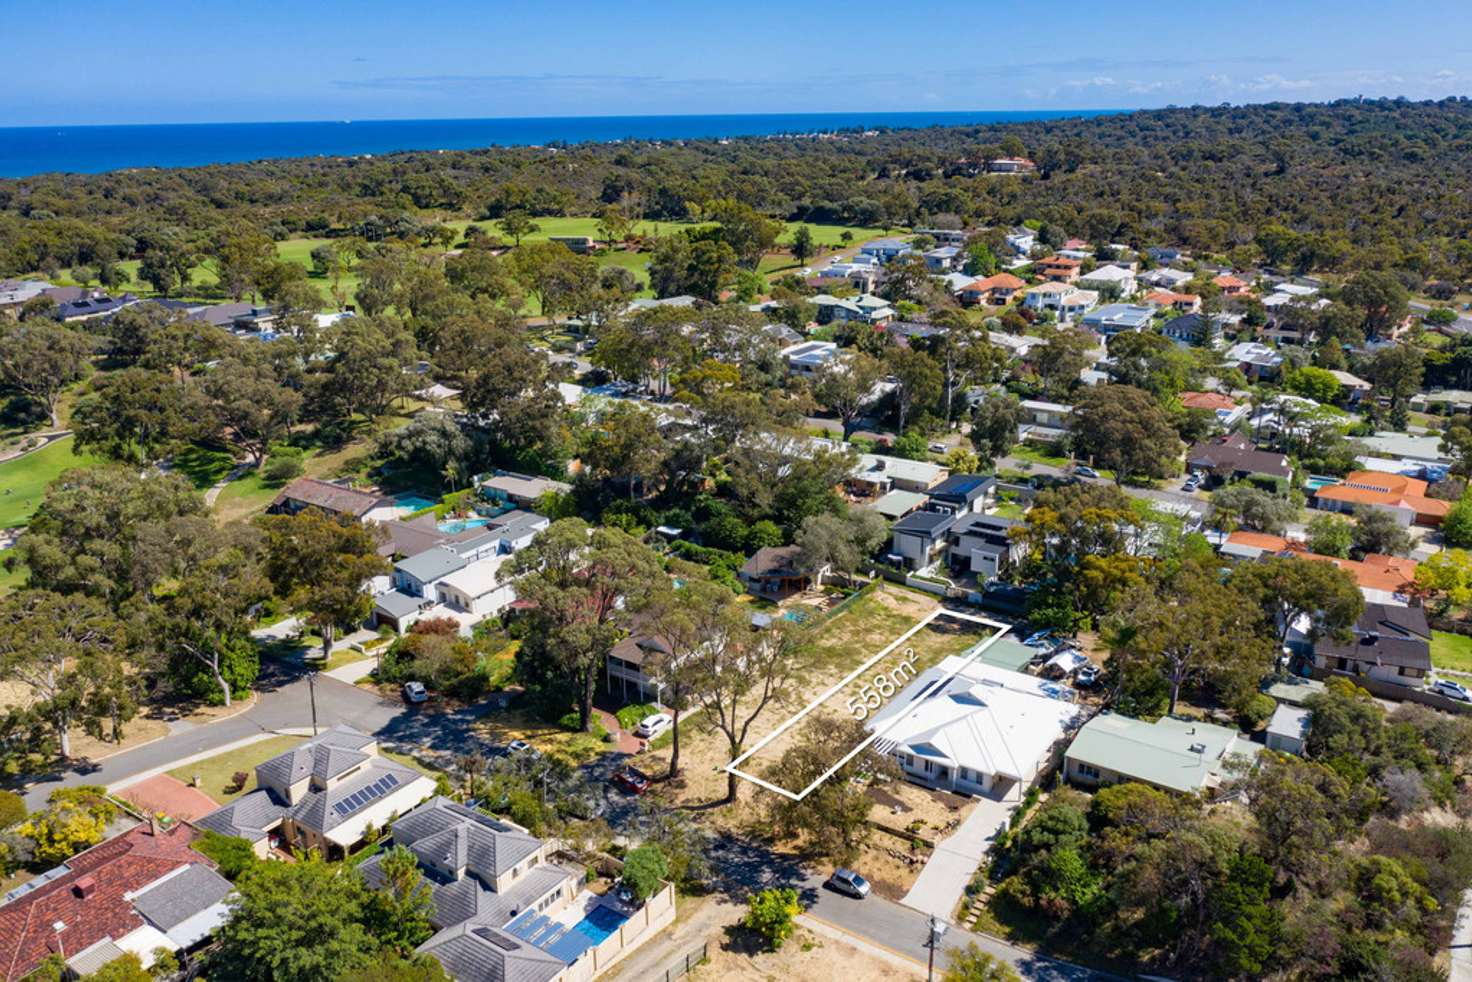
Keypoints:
pixel 413 502
pixel 599 923
pixel 457 525
pixel 1314 482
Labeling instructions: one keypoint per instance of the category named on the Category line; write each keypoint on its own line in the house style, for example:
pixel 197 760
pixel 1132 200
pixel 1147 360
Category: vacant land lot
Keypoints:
pixel 843 642
pixel 847 641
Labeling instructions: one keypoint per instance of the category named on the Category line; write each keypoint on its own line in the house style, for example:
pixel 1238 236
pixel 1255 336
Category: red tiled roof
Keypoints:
pixel 1206 400
pixel 1228 280
pixel 1168 298
pixel 999 281
pixel 121 865
pixel 1390 574
pixel 1059 261
pixel 1390 490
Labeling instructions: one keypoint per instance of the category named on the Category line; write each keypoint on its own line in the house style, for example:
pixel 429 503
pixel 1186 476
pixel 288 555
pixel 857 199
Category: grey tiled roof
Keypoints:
pixel 174 900
pixel 476 953
pixel 472 840
pixel 287 768
pixel 249 816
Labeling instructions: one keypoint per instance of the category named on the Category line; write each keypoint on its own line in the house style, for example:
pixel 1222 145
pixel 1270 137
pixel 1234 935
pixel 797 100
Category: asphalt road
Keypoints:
pixel 742 867
pixel 283 702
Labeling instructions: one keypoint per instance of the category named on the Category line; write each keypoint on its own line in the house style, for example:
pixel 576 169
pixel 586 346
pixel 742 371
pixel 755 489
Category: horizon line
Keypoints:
pixel 486 119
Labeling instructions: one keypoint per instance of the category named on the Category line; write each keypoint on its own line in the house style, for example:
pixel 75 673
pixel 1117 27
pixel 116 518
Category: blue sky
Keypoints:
pixel 155 61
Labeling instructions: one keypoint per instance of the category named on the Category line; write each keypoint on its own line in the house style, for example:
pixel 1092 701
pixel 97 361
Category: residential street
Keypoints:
pixel 283 703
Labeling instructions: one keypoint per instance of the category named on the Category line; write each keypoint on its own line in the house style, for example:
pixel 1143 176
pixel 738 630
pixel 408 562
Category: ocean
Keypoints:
pixel 31 150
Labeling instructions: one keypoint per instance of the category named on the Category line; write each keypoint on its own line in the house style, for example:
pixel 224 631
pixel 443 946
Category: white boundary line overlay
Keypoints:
pixel 733 767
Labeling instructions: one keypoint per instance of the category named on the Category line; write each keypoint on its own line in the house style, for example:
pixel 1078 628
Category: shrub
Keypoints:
pixel 237 781
pixel 231 853
pixel 630 715
pixel 284 464
pixel 62 831
pixel 644 870
pixel 12 809
pixel 1255 711
pixel 771 914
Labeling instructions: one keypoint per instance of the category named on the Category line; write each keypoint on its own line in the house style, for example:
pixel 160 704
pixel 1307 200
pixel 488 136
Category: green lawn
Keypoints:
pixel 299 251
pixel 215 772
pixel 11 579
pixel 1451 651
pixel 203 466
pixel 23 480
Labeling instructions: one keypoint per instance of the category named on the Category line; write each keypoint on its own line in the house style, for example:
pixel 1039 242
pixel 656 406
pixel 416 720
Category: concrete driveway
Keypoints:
pixel 943 880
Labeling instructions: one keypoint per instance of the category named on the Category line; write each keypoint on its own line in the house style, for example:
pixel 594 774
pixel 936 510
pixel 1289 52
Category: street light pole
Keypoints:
pixel 312 688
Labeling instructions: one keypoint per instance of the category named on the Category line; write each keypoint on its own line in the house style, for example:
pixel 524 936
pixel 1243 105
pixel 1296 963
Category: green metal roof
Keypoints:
pixel 1182 755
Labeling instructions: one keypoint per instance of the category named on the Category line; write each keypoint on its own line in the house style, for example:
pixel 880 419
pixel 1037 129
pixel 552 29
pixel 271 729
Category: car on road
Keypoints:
pixel 1082 471
pixel 631 779
pixel 1192 483
pixel 848 883
pixel 1452 690
pixel 415 692
pixel 653 725
pixel 1087 677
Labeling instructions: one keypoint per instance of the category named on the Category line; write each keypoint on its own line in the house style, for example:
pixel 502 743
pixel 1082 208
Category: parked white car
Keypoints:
pixel 415 692
pixel 1452 690
pixel 652 726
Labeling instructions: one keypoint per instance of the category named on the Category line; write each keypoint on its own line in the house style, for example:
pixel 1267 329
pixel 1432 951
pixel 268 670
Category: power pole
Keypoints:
pixel 937 931
pixel 312 688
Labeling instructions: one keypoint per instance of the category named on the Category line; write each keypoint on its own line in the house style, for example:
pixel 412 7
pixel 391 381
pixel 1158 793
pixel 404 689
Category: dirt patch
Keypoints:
pixel 930 814
pixel 805 956
pixel 151 724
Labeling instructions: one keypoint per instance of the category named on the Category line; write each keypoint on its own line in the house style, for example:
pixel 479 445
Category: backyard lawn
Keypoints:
pixel 215 773
pixel 1451 651
pixel 23 480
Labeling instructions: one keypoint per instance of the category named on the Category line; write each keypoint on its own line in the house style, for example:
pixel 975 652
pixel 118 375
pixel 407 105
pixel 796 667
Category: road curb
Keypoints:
pixel 828 929
pixel 224 748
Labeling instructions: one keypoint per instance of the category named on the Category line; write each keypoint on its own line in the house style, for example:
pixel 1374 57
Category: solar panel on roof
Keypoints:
pixel 499 940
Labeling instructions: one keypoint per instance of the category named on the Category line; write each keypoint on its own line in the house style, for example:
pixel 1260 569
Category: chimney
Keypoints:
pixel 85 887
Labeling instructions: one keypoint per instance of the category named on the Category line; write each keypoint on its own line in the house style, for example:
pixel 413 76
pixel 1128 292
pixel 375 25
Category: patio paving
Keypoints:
pixel 162 793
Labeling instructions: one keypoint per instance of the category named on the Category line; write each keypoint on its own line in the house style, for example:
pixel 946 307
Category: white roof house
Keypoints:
pixel 979 730
pixel 806 357
pixel 1105 276
pixel 1018 345
pixel 1166 277
pixel 898 472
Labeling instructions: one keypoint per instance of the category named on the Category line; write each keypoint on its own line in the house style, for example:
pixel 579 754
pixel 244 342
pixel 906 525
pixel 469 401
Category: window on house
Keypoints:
pixel 1088 770
pixel 928 767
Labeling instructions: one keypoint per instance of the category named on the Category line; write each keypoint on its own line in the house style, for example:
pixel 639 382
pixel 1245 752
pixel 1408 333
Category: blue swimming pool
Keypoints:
pixel 1315 482
pixel 599 923
pixel 457 525
pixel 413 502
